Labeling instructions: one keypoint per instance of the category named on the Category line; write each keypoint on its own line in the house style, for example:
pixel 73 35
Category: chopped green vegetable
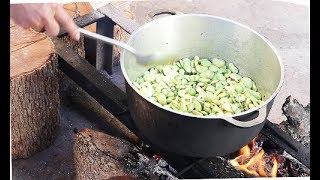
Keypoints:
pixel 200 87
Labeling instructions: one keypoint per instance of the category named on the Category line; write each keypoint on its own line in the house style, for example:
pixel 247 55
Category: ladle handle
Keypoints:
pixel 107 40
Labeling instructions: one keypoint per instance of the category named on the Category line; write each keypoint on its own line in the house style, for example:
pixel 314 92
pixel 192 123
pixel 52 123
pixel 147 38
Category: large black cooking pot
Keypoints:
pixel 207 36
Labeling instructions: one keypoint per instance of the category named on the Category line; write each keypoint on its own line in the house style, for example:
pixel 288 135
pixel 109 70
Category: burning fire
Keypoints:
pixel 252 161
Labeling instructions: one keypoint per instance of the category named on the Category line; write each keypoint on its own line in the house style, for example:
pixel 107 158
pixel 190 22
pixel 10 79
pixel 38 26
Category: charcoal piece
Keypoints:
pixel 298 120
pixel 218 167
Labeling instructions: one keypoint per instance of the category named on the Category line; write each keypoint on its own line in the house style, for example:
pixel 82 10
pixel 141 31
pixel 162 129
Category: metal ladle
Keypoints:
pixel 142 58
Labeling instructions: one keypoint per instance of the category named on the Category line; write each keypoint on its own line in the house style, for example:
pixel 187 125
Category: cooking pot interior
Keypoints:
pixel 207 37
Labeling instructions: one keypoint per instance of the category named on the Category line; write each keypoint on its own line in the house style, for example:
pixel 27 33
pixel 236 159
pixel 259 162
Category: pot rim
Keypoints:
pixel 208 116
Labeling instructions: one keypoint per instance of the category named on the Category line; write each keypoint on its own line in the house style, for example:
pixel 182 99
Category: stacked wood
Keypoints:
pixel 34 98
pixel 77 9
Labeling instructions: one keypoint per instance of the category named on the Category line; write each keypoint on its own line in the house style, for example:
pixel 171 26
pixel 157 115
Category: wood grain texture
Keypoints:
pixel 34 98
pixel 76 9
pixel 28 50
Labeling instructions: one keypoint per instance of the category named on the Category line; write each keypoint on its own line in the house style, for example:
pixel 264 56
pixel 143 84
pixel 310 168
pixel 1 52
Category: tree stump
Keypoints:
pixel 34 97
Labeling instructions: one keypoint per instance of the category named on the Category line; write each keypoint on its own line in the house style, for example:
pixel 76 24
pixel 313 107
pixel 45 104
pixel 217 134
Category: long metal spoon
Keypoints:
pixel 142 58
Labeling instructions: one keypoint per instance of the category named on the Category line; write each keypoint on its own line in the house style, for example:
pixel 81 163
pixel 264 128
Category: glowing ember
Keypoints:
pixel 252 161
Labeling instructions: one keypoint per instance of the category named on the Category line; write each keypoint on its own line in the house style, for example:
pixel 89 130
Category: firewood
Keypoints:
pixel 298 120
pixel 101 156
pixel 34 97
pixel 81 98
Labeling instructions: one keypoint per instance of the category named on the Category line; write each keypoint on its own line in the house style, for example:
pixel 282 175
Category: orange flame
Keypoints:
pixel 274 169
pixel 251 161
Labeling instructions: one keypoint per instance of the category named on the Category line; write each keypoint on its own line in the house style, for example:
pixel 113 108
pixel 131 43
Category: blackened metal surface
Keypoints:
pixel 104 60
pixel 90 48
pixel 290 145
pixel 87 77
pixel 188 136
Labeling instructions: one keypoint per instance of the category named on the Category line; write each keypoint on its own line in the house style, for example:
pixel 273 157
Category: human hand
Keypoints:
pixel 44 16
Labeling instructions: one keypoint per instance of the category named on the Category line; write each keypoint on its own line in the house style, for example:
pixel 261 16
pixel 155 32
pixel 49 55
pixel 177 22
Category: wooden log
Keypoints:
pixel 34 98
pixel 81 98
pixel 100 156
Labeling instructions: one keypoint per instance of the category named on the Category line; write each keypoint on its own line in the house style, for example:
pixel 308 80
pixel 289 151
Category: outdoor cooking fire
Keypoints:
pixel 253 161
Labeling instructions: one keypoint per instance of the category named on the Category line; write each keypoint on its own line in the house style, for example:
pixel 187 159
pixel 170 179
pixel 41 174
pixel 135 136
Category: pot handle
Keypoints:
pixel 261 117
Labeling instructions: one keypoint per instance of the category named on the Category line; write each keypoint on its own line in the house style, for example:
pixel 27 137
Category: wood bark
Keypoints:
pixel 34 98
pixel 100 156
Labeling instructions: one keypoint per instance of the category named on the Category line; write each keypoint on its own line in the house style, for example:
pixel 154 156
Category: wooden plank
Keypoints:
pixel 119 18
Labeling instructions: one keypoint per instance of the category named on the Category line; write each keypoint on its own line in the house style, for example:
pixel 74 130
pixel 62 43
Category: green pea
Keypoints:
pixel 220 77
pixel 192 91
pixel 204 80
pixel 247 82
pixel 170 99
pixel 161 98
pixel 190 107
pixel 174 105
pixel 136 85
pixel 201 69
pixel 254 87
pixel 213 68
pixel 205 62
pixel 204 113
pixel 181 93
pixel 170 94
pixel 211 89
pixel 235 77
pixel 196 113
pixel 226 107
pixel 186 65
pixel 233 68
pixel 221 95
pixel 182 71
pixel 218 62
pixel 197 105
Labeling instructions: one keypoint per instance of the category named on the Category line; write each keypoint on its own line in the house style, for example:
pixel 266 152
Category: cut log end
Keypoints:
pixel 29 50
